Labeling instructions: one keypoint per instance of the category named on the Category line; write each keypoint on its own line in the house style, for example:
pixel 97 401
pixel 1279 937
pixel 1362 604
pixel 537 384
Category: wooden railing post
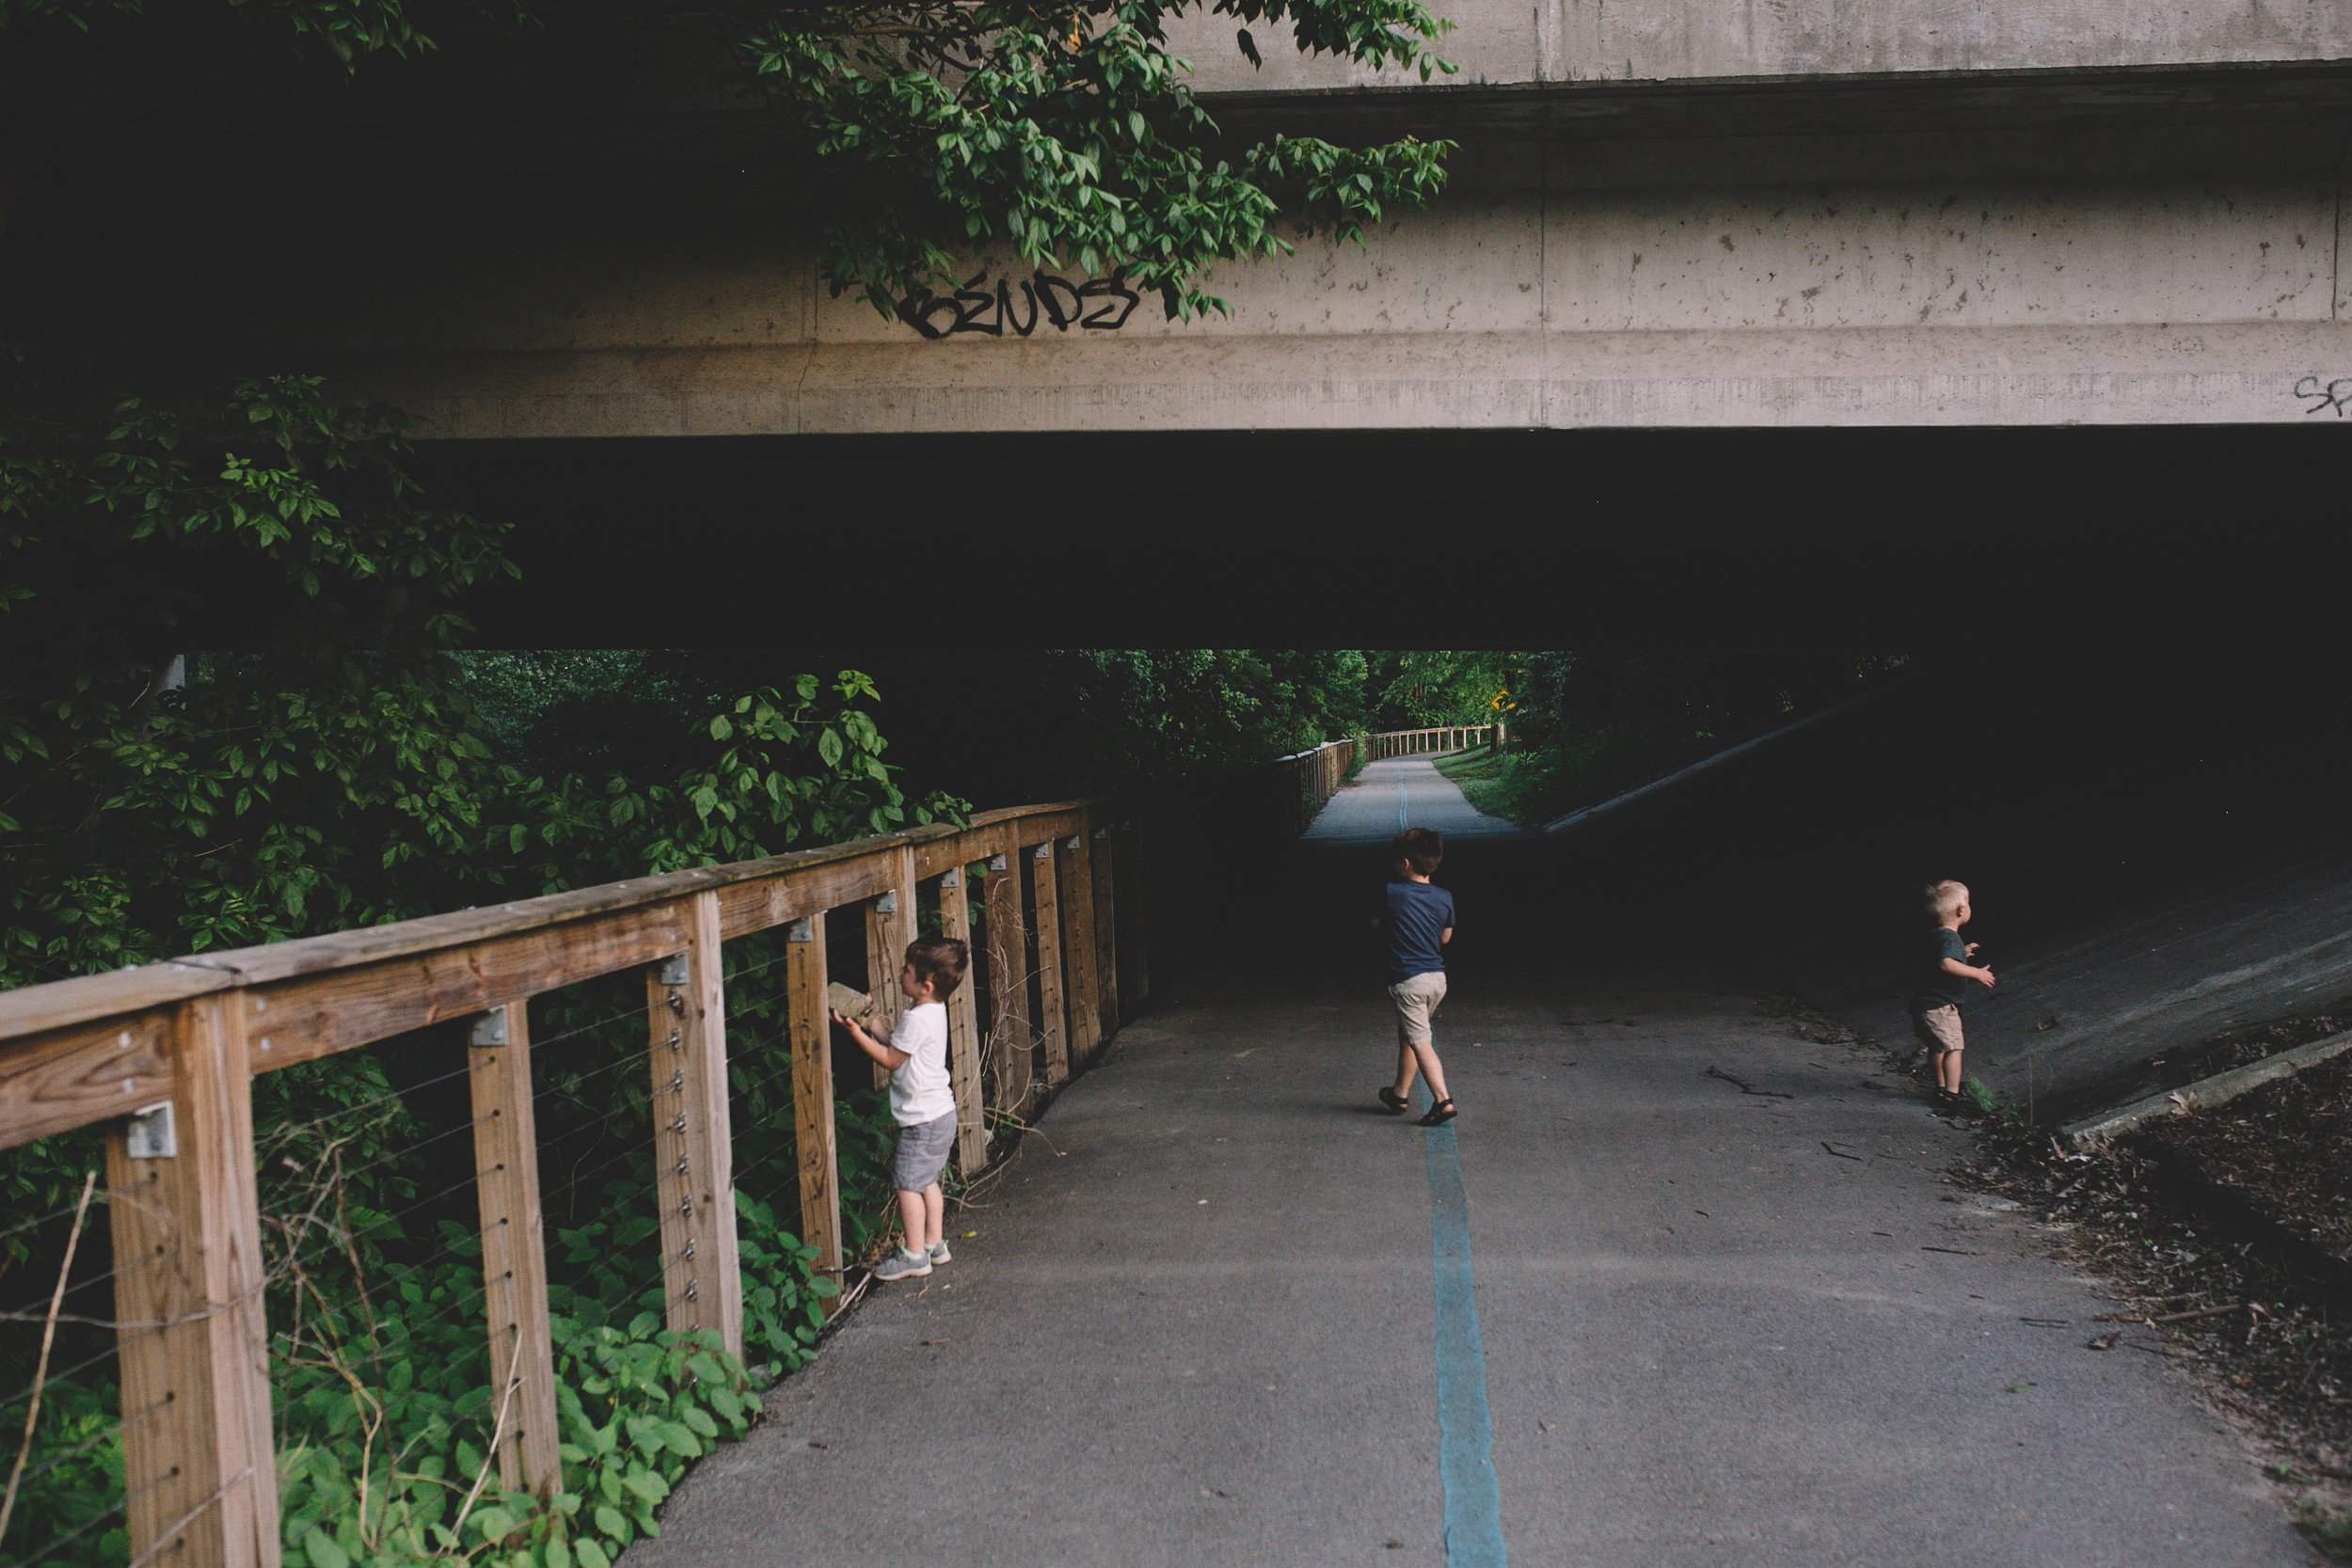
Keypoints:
pixel 1046 898
pixel 513 1251
pixel 693 1140
pixel 1105 931
pixel 1077 920
pixel 890 925
pixel 811 1028
pixel 963 1050
pixel 200 1472
pixel 1007 981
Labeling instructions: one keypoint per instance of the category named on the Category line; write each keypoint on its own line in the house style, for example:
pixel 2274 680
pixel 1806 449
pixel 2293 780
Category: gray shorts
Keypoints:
pixel 922 1153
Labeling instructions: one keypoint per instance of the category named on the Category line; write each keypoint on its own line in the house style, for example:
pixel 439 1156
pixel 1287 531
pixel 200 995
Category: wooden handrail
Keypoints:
pixel 179 1042
pixel 58 1003
pixel 1436 738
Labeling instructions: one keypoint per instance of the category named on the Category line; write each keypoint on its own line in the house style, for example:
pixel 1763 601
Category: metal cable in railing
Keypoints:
pixel 288 1131
pixel 62 1542
pixel 109 1432
pixel 576 1180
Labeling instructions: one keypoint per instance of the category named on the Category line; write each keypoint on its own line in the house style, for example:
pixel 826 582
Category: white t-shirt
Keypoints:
pixel 918 1086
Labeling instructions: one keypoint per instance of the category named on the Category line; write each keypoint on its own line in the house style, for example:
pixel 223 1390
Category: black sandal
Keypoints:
pixel 1396 1102
pixel 1439 1113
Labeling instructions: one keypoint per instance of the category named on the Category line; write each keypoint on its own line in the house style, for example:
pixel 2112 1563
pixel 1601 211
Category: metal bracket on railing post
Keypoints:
pixel 996 863
pixel 489 1028
pixel 952 877
pixel 802 929
pixel 151 1134
pixel 887 903
pixel 673 970
pixel 1043 851
pixel 1071 844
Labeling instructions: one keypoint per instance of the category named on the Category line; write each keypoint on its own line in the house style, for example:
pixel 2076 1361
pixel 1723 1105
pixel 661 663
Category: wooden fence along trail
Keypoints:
pixel 163 1058
pixel 1399 743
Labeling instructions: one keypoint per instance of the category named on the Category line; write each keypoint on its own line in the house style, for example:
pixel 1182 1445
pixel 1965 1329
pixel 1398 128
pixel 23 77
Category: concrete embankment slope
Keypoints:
pixel 2154 861
pixel 1221 1310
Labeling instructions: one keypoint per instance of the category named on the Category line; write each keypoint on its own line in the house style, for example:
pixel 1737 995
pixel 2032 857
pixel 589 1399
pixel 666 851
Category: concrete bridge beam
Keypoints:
pixel 1665 215
pixel 1902 280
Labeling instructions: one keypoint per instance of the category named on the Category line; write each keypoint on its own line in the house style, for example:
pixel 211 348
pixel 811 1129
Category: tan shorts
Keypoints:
pixel 1417 1001
pixel 1938 1030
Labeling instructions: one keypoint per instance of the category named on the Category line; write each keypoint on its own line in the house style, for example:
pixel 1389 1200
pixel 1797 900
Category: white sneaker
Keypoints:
pixel 903 1264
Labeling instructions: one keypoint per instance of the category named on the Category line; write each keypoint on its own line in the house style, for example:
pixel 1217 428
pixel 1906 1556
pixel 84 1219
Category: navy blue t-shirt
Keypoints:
pixel 1418 914
pixel 1939 987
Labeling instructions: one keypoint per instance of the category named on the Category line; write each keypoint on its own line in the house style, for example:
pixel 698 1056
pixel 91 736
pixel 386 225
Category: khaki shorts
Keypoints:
pixel 1417 1001
pixel 1939 1029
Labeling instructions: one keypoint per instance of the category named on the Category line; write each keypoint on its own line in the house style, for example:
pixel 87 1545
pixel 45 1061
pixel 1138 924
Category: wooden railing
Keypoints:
pixel 1399 743
pixel 1319 774
pixel 163 1057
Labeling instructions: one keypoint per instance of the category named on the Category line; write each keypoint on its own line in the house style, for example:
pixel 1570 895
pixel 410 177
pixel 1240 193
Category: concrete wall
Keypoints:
pixel 1586 40
pixel 1920 280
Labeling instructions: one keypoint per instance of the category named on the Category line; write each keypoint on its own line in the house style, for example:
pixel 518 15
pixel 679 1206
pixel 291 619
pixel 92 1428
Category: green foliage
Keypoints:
pixel 1138 715
pixel 341 762
pixel 1586 724
pixel 74 1477
pixel 1429 687
pixel 2328 1530
pixel 137 820
pixel 1070 133
pixel 344 28
pixel 637 1406
pixel 1067 132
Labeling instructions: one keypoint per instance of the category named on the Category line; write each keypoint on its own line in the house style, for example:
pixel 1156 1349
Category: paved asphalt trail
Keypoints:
pixel 1402 792
pixel 1198 1324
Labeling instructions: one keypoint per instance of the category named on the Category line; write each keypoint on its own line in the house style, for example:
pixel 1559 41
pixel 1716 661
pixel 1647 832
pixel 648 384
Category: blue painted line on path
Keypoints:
pixel 1473 1502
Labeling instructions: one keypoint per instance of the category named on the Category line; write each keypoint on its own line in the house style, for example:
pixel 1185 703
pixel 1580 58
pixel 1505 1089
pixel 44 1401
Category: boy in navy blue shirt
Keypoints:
pixel 1947 981
pixel 1418 921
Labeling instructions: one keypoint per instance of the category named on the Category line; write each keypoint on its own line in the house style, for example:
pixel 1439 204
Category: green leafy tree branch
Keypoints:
pixel 1072 133
pixel 1069 131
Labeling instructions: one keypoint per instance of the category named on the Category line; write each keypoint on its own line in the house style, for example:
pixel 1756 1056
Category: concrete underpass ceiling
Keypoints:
pixel 2166 539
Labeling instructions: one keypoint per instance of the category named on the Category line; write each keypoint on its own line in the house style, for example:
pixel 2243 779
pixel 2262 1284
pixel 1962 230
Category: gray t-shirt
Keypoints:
pixel 1938 987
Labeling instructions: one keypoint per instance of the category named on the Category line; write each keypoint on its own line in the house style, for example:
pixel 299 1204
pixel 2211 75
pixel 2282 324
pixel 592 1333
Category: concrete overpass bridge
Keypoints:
pixel 1678 214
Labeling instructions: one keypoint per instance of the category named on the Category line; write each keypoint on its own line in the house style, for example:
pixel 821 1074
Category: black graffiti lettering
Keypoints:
pixel 973 302
pixel 917 308
pixel 1004 307
pixel 1113 287
pixel 1098 305
pixel 1062 320
pixel 2336 394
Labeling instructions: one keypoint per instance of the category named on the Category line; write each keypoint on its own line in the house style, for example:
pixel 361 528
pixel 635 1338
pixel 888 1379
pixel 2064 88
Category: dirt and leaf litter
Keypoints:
pixel 1809 1023
pixel 2226 1236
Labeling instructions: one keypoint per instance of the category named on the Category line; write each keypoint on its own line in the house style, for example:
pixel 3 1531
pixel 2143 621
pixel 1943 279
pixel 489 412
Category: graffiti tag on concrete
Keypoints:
pixel 2318 396
pixel 1097 305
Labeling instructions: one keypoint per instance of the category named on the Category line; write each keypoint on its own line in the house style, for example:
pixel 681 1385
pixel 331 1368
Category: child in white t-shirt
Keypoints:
pixel 921 1100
